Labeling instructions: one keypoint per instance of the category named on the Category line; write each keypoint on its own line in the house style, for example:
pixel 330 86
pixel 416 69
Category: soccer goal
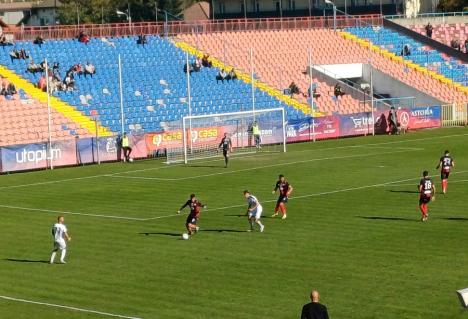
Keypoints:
pixel 250 132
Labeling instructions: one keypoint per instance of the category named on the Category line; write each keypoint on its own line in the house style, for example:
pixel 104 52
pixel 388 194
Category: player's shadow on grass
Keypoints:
pixel 403 191
pixel 389 218
pixel 160 233
pixel 27 261
pixel 454 218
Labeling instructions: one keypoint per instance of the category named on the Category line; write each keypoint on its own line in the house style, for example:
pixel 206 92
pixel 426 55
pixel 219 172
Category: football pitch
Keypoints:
pixel 353 232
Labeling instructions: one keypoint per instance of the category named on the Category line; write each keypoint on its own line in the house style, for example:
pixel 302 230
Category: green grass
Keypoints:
pixel 360 243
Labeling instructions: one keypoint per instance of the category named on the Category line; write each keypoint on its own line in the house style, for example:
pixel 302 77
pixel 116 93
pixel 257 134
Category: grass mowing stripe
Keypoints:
pixel 217 160
pixel 67 307
pixel 260 167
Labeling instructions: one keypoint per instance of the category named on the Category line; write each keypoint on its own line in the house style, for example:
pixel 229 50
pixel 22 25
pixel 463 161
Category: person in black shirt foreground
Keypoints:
pixel 314 309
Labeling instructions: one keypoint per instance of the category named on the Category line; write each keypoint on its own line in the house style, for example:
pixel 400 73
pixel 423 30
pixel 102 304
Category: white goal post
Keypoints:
pixel 202 134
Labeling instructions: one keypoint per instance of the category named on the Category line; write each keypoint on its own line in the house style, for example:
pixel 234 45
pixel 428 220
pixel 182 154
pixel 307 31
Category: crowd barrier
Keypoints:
pixel 95 150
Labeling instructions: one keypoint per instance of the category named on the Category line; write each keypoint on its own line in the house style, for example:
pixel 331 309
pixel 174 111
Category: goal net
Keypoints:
pixel 250 132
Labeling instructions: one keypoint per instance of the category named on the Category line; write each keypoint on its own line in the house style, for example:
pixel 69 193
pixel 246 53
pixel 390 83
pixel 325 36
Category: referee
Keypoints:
pixel 226 145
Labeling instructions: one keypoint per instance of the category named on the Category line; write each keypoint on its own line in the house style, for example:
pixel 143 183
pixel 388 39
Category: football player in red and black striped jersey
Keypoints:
pixel 446 163
pixel 426 194
pixel 285 190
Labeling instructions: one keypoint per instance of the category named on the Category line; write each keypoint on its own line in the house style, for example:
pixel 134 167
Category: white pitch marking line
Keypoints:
pixel 177 165
pixel 67 307
pixel 72 213
pixel 451 182
pixel 256 168
pixel 309 195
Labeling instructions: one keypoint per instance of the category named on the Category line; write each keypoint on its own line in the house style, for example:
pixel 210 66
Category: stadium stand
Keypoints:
pixel 284 55
pixel 25 120
pixel 418 53
pixel 281 57
pixel 154 83
pixel 445 33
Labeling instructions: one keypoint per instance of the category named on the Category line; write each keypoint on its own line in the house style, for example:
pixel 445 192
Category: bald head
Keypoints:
pixel 314 296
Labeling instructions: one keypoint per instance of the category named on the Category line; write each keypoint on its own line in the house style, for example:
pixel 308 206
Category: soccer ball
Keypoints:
pixel 185 236
pixel 130 160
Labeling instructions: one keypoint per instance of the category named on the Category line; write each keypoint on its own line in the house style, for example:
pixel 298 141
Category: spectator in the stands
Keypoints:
pixel 466 46
pixel 142 39
pixel 314 92
pixel 293 89
pixel 429 30
pixel 206 62
pixel 41 84
pixel 406 50
pixel 56 66
pixel 77 68
pixel 11 89
pixel 3 88
pixel 3 41
pixel 83 38
pixel 337 91
pixel 455 44
pixel 39 41
pixel 69 82
pixel 196 66
pixel 232 75
pixel 89 69
pixel 14 55
pixel 221 76
pixel 190 68
pixel 23 55
pixel 34 68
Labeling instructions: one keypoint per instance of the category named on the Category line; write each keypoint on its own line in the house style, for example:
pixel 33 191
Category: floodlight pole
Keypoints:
pixel 372 96
pixel 311 89
pixel 189 100
pixel 122 117
pixel 252 80
pixel 334 13
pixel 49 116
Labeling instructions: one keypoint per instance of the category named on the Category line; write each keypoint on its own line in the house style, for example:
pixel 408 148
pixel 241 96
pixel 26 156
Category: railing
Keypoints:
pixel 429 15
pixel 181 27
pixel 454 115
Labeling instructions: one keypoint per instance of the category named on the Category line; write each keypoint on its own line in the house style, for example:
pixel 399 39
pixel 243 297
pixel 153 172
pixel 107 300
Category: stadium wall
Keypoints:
pixel 387 85
pixel 104 149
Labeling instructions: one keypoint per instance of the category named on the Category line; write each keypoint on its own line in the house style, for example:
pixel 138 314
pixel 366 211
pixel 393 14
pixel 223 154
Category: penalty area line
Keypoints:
pixel 310 195
pixel 71 213
pixel 67 307
pixel 259 167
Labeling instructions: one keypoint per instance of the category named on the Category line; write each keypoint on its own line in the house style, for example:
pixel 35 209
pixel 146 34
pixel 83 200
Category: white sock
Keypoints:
pixel 259 223
pixel 52 258
pixel 64 252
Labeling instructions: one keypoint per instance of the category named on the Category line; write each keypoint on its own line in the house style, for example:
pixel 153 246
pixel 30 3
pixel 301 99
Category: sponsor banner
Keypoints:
pixel 324 127
pixel 36 156
pixel 174 139
pixel 356 124
pixel 107 146
pixel 422 117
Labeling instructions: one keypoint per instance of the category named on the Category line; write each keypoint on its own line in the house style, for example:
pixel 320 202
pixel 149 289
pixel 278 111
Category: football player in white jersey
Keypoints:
pixel 254 211
pixel 60 234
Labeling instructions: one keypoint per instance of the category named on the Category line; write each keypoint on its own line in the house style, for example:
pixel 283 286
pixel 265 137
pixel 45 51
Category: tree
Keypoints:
pixel 97 11
pixel 87 11
pixel 452 5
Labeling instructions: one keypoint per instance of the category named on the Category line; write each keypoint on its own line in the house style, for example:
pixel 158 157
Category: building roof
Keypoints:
pixel 15 5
